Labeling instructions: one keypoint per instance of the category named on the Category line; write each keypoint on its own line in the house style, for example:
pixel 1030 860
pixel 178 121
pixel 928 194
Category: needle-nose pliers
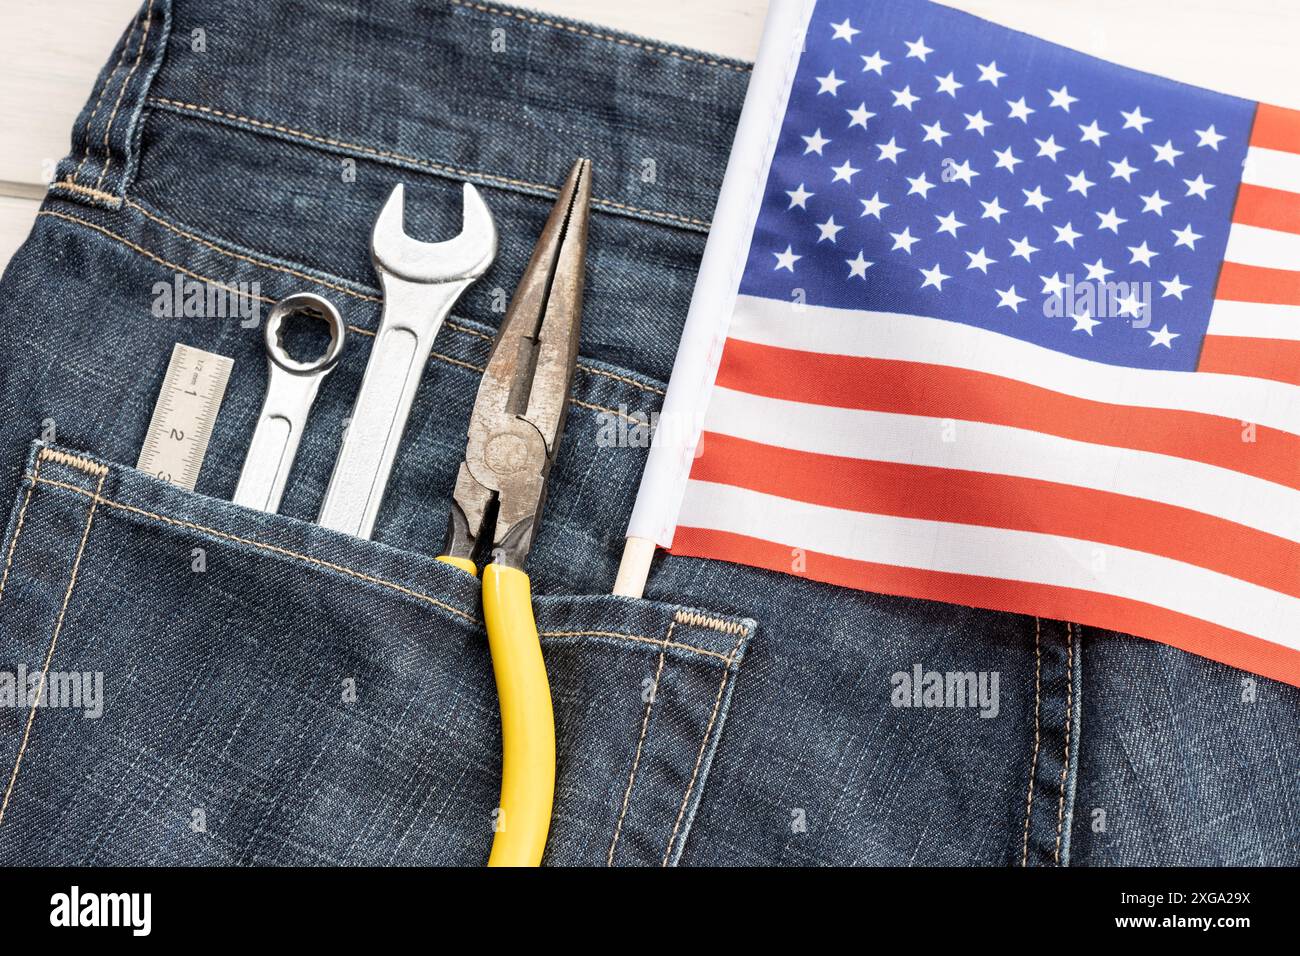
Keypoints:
pixel 514 433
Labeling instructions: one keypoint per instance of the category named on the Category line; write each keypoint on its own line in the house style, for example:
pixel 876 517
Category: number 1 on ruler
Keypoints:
pixel 184 415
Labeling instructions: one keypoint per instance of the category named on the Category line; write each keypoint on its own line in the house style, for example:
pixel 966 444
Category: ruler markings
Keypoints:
pixel 183 417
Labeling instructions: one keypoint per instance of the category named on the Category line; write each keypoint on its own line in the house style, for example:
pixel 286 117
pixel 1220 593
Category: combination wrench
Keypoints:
pixel 291 389
pixel 420 281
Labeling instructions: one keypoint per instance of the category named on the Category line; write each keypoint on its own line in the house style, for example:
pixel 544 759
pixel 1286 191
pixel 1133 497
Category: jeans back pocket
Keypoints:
pixel 195 683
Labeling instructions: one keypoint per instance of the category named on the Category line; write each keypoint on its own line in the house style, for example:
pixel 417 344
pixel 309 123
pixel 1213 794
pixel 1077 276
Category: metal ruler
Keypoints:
pixel 184 416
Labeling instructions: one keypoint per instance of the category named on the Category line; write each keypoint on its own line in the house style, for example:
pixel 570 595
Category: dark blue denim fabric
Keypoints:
pixel 734 717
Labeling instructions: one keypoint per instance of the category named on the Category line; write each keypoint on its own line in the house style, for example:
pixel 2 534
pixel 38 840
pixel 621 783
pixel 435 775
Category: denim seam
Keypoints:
pixel 18 529
pixel 350 572
pixel 139 55
pixel 338 287
pixel 458 172
pixel 611 37
pixel 275 549
pixel 352 328
pixel 72 461
pixel 694 619
pixel 657 642
pixel 640 743
pixel 261 263
pixel 708 731
pixel 54 640
pixel 1033 766
pixel 1069 713
pixel 99 100
pixel 76 187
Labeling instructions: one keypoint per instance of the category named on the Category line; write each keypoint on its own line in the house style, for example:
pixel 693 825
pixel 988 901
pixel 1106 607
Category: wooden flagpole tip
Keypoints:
pixel 634 568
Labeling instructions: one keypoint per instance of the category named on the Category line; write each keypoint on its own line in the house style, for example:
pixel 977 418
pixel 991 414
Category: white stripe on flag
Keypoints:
pixel 1255 320
pixel 1002 450
pixel 1272 168
pixel 911 338
pixel 1268 248
pixel 993 552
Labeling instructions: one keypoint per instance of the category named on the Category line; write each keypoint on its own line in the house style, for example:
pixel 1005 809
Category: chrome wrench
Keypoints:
pixel 291 389
pixel 420 281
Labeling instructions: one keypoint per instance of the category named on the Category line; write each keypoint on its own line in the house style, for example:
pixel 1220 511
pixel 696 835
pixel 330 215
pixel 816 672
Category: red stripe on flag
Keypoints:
pixel 1277 359
pixel 1240 283
pixel 1041 600
pixel 1267 208
pixel 940 391
pixel 1003 501
pixel 1276 128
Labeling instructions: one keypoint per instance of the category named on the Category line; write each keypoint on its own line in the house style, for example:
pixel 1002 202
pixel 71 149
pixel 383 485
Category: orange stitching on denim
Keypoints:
pixel 115 201
pixel 640 742
pixel 275 549
pixel 699 757
pixel 1033 766
pixel 121 58
pixel 452 323
pixel 189 272
pixel 54 640
pixel 72 461
pixel 444 168
pixel 695 619
pixel 1069 714
pixel 250 259
pixel 78 462
pixel 608 411
pixel 150 255
pixel 657 642
pixel 18 528
pixel 139 55
pixel 622 378
pixel 613 38
pixel 265 264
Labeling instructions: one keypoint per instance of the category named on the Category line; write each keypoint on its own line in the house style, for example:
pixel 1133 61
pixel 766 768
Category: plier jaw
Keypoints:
pixel 523 397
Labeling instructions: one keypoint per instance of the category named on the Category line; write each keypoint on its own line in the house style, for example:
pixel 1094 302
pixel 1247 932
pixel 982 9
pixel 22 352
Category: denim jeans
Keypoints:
pixel 276 693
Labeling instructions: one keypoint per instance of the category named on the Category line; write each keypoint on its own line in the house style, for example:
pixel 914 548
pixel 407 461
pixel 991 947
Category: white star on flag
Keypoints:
pixel 1008 298
pixel 989 73
pixel 1062 98
pixel 1185 237
pixel 993 210
pixel 815 143
pixel 918 49
pixel 1209 137
pixel 1174 287
pixel 1135 119
pixel 1084 322
pixel 829 84
pixel 874 64
pixel 1163 337
pixel 799 197
pixel 786 260
pixel 844 172
pixel 873 206
pixel 844 31
pixel 1154 203
pixel 934 277
pixel 1020 110
pixel 858 267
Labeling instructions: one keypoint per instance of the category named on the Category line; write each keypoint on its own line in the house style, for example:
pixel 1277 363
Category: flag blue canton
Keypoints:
pixel 930 163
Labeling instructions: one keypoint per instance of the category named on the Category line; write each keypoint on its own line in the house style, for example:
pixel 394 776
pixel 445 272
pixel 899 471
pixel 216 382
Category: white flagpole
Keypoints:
pixel 654 516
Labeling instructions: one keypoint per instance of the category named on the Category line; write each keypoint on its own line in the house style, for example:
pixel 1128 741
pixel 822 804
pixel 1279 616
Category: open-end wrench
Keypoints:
pixel 291 389
pixel 421 281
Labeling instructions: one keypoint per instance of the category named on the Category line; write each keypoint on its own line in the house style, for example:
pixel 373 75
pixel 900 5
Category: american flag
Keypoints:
pixel 1017 329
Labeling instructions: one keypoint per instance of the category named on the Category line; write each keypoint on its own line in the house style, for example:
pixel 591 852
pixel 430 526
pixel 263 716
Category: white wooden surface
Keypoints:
pixel 50 53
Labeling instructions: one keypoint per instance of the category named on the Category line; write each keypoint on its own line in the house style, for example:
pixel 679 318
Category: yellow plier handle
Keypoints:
pixel 527 720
